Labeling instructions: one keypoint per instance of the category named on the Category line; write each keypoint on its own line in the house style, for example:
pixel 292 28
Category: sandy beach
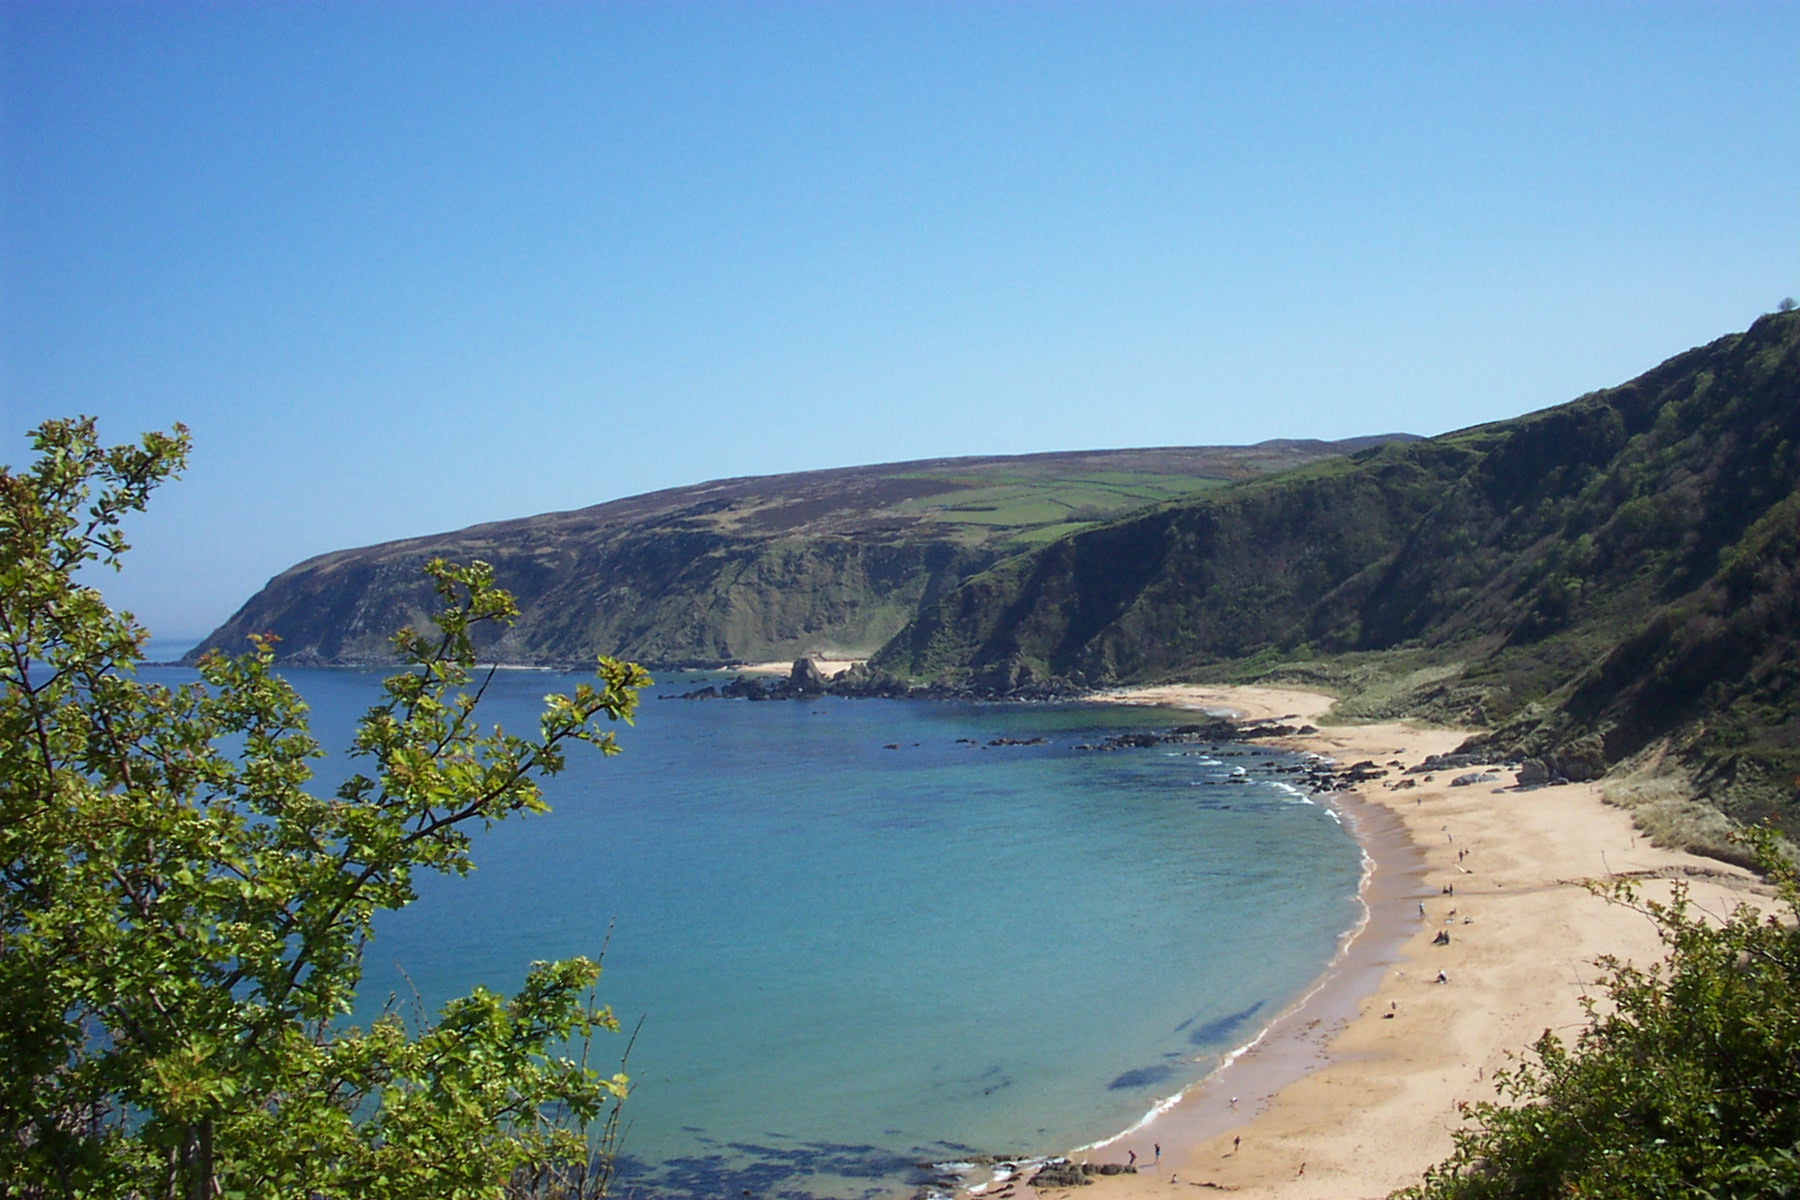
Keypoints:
pixel 827 667
pixel 1354 1091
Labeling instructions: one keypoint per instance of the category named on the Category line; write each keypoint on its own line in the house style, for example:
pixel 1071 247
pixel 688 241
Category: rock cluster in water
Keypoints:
pixel 806 680
pixel 946 1179
pixel 1063 1173
pixel 860 681
pixel 1219 729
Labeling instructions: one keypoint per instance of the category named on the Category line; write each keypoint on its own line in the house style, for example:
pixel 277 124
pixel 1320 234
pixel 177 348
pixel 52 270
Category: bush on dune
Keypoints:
pixel 1682 1084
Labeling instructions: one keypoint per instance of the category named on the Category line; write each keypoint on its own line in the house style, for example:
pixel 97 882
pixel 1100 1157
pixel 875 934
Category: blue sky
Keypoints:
pixel 405 267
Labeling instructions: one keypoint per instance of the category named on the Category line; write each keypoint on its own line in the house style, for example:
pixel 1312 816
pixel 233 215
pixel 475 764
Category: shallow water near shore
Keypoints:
pixel 848 959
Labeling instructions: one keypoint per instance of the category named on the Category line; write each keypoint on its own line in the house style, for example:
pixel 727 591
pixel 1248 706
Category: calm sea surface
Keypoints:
pixel 848 959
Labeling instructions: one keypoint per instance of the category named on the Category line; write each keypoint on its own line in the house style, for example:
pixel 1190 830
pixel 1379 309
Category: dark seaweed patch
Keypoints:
pixel 1140 1077
pixel 1224 1027
pixel 765 1172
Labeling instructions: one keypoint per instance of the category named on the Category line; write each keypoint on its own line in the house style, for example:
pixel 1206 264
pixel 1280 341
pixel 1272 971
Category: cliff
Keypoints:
pixel 830 562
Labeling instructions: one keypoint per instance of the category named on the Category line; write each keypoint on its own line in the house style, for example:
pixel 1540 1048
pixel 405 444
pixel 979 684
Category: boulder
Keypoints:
pixel 862 683
pixel 745 687
pixel 1578 761
pixel 1444 762
pixel 806 676
pixel 1533 773
pixel 1060 1174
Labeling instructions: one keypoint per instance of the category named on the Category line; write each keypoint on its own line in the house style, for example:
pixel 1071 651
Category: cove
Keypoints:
pixel 844 959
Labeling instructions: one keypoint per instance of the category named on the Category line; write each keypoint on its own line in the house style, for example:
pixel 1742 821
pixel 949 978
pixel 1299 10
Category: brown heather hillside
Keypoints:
pixel 760 568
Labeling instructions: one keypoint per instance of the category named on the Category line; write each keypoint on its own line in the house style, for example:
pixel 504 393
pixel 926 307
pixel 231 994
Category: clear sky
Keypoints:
pixel 405 267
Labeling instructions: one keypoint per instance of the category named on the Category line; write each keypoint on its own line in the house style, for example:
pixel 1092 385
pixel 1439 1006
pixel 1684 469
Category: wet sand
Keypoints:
pixel 1353 1092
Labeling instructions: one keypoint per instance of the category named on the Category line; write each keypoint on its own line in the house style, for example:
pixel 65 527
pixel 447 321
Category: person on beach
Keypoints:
pixel 1235 1142
pixel 1131 1163
pixel 1158 1148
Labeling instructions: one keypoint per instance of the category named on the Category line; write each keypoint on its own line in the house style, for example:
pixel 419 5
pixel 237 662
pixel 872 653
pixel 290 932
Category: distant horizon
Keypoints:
pixel 409 268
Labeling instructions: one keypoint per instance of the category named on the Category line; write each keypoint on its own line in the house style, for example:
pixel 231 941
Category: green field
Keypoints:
pixel 1042 509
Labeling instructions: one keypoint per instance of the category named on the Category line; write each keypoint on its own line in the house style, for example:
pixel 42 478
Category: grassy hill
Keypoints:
pixel 1610 582
pixel 832 562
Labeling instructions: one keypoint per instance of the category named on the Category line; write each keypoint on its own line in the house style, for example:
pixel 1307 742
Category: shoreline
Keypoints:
pixel 1352 1090
pixel 1294 1042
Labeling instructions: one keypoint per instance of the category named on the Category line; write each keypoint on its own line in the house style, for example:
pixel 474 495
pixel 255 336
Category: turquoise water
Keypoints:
pixel 848 959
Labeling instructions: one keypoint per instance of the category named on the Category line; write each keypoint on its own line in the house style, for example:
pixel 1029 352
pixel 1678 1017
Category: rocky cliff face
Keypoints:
pixel 831 562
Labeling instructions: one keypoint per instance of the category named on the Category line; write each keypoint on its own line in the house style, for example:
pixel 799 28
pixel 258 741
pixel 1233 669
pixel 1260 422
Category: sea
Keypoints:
pixel 845 938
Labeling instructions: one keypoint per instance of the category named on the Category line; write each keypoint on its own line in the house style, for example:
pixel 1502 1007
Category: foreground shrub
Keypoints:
pixel 1683 1084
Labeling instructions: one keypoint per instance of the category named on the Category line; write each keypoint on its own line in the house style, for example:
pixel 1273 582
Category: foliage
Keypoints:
pixel 1681 1085
pixel 182 921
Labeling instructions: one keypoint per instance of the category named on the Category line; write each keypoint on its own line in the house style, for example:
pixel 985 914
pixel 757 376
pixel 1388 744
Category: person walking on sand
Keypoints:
pixel 1236 1141
pixel 1132 1163
pixel 1158 1147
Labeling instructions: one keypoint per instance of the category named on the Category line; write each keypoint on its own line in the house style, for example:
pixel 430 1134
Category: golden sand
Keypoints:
pixel 1358 1098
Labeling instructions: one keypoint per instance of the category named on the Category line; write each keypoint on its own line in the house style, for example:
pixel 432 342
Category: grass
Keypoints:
pixel 1041 505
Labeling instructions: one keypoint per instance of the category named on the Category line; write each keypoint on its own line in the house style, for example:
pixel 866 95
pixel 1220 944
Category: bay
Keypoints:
pixel 843 959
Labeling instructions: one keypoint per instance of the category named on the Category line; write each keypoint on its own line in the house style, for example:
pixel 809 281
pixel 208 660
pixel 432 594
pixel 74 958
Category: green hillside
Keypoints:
pixel 832 562
pixel 1610 583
